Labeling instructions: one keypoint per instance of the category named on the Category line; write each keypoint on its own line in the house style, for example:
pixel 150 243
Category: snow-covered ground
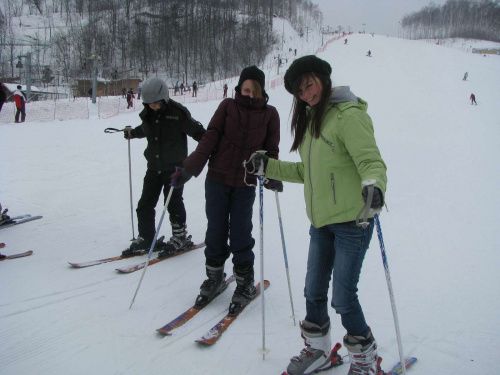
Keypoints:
pixel 443 180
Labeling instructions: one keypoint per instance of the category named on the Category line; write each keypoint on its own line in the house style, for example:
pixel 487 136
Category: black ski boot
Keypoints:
pixel 4 218
pixel 245 288
pixel 179 241
pixel 211 287
pixel 141 246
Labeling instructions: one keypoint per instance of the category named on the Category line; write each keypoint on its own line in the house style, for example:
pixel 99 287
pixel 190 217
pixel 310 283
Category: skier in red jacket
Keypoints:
pixel 473 99
pixel 20 104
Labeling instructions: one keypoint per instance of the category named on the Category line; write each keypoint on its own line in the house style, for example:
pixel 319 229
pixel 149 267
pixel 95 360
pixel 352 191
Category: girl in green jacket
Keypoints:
pixel 339 160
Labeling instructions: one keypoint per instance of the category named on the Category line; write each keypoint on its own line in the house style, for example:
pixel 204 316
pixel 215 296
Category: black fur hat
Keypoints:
pixel 251 72
pixel 305 64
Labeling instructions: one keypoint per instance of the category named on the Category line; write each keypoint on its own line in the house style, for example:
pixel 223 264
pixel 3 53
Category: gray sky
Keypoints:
pixel 380 16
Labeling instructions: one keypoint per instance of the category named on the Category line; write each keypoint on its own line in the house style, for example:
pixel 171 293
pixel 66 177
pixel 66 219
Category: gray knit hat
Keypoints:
pixel 305 64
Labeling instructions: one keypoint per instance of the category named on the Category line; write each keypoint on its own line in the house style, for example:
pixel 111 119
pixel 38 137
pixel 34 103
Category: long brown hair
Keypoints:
pixel 300 117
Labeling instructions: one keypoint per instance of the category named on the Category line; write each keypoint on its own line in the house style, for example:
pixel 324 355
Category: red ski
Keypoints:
pixel 216 332
pixel 140 266
pixel 20 255
pixel 188 314
pixel 112 259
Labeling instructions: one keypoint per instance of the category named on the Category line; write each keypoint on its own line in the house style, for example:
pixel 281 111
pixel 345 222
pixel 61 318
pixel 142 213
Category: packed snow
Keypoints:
pixel 439 234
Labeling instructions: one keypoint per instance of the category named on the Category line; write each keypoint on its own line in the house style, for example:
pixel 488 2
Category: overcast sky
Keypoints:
pixel 379 16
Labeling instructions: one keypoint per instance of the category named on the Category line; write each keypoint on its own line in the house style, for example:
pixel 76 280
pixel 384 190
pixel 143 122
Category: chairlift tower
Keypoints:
pixel 95 60
pixel 27 61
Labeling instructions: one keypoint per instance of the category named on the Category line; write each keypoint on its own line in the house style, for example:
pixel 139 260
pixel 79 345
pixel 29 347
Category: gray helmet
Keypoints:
pixel 154 90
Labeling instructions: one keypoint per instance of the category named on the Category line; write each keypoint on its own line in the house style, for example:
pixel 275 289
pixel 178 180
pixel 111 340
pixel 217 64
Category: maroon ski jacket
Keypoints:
pixel 239 127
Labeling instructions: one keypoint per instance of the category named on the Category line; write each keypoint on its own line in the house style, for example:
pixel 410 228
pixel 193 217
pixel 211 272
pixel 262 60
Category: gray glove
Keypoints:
pixel 127 132
pixel 378 197
pixel 258 159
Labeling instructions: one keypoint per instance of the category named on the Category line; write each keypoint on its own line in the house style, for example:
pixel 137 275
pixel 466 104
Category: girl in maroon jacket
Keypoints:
pixel 239 127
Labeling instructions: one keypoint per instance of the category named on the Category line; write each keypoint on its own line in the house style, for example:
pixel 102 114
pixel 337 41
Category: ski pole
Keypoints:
pixel 127 129
pixel 260 174
pixel 391 293
pixel 284 255
pixel 153 243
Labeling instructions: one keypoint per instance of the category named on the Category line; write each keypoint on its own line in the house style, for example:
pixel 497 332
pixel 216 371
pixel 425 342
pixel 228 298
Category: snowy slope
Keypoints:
pixel 439 234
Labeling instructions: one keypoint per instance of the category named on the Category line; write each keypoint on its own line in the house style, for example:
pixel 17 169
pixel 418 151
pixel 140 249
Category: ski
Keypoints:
pixel 111 259
pixel 336 359
pixel 100 261
pixel 5 221
pixel 19 221
pixel 20 255
pixel 140 266
pixel 394 371
pixel 216 331
pixel 188 314
pixel 397 369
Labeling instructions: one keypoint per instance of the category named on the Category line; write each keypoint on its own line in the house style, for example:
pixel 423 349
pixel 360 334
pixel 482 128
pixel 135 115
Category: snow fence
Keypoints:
pixel 48 110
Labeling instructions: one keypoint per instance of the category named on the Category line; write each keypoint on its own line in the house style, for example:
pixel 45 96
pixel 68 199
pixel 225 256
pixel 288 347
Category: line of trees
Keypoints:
pixel 185 40
pixel 455 19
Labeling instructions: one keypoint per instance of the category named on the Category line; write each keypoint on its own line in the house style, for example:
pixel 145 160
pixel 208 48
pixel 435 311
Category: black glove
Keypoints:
pixel 180 177
pixel 274 185
pixel 127 132
pixel 378 197
pixel 257 159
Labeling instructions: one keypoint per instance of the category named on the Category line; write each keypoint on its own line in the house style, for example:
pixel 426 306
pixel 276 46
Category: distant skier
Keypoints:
pixel 473 99
pixel 225 91
pixel 369 54
pixel 465 76
pixel 195 89
pixel 345 41
pixel 139 90
pixel 20 104
pixel 130 96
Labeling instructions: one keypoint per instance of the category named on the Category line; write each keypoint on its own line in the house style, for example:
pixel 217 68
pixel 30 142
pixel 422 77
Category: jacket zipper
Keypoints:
pixel 333 188
pixel 245 136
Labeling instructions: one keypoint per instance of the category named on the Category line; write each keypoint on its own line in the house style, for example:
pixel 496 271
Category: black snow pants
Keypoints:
pixel 154 182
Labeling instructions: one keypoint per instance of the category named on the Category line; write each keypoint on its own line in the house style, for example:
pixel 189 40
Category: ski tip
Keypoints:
pixel 164 333
pixel 397 368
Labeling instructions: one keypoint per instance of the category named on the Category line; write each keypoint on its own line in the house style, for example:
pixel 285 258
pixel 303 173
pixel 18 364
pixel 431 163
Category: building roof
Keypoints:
pixel 13 87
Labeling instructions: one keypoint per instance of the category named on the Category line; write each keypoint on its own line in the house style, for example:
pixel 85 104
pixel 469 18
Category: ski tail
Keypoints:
pixel 397 369
pixel 212 336
pixel 189 313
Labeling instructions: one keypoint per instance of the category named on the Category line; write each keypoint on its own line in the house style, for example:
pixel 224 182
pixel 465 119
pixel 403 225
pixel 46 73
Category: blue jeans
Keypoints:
pixel 229 214
pixel 337 249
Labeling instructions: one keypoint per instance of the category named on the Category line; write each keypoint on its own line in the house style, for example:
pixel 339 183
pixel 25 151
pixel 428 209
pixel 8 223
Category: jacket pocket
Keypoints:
pixel 323 138
pixel 332 178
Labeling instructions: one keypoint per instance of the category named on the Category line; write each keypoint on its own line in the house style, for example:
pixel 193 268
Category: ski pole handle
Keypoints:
pixel 260 167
